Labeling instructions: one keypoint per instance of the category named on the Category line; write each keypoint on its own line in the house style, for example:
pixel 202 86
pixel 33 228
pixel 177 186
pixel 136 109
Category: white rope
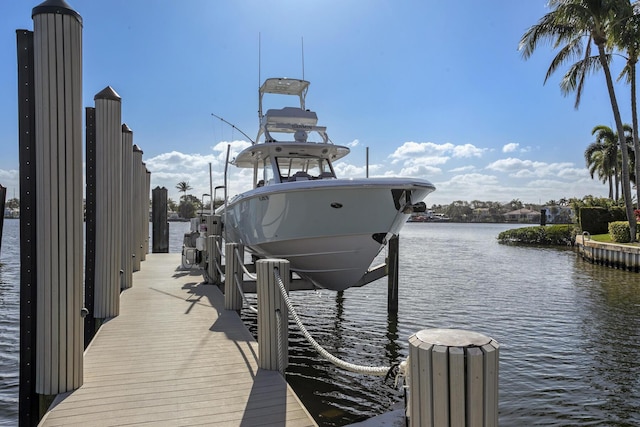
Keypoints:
pixel 244 298
pixel 369 370
pixel 281 361
pixel 402 376
pixel 222 255
pixel 241 261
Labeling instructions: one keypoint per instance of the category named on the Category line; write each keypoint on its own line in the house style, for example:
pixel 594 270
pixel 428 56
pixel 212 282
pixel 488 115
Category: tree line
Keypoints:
pixel 574 28
pixel 189 205
pixel 492 211
pixel 564 210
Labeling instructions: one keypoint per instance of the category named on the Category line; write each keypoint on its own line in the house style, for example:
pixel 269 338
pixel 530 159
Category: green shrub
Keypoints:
pixel 560 234
pixel 595 220
pixel 620 232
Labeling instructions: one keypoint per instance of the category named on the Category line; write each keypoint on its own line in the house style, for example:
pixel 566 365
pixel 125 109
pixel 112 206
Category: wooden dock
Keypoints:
pixel 174 356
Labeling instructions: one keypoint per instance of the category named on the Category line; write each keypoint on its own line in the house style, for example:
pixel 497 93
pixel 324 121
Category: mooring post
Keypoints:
pixel 273 315
pixel 233 271
pixel 214 239
pixel 136 211
pixel 108 205
pixel 90 226
pixel 28 401
pixel 127 208
pixel 160 226
pixel 147 213
pixel 3 197
pixel 392 278
pixel 453 378
pixel 57 42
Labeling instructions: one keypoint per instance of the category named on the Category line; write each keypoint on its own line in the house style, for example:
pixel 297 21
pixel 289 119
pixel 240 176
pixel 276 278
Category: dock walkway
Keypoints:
pixel 175 357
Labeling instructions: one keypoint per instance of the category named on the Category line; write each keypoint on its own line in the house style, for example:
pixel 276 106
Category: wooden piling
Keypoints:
pixel 3 197
pixel 147 219
pixel 272 332
pixel 233 271
pixel 28 407
pixel 392 278
pixel 127 207
pixel 90 225
pixel 160 226
pixel 136 211
pixel 214 241
pixel 108 203
pixel 453 378
pixel 58 144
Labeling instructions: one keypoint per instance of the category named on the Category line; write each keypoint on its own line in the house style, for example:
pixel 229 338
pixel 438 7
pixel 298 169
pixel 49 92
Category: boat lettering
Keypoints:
pixel 263 198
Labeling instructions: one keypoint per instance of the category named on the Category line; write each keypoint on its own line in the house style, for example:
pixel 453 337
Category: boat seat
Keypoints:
pixel 299 176
pixel 291 114
pixel 325 175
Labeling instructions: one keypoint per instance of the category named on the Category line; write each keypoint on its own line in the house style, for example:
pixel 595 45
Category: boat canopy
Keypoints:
pixel 253 156
pixel 283 86
pixel 288 120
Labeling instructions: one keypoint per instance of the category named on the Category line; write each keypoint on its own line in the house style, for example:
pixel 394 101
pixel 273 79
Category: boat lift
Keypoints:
pixel 202 250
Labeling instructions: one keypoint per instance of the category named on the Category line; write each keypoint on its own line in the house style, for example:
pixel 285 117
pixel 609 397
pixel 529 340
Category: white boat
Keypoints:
pixel 329 229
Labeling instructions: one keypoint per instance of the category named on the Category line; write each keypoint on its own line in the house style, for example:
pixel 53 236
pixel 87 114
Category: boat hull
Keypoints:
pixel 329 230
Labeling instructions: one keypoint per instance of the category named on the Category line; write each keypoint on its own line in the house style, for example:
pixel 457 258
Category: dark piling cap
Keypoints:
pixel 126 128
pixel 137 149
pixel 107 93
pixel 56 7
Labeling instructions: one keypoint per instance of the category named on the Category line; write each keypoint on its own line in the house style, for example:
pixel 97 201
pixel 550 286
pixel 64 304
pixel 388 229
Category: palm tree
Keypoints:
pixel 626 38
pixel 568 26
pixel 602 157
pixel 183 187
pixel 596 158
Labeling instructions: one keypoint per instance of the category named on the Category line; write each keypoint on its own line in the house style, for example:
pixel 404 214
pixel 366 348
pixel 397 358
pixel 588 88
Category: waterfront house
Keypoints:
pixel 522 215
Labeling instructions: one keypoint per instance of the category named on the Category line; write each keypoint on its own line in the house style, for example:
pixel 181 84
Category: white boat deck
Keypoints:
pixel 175 357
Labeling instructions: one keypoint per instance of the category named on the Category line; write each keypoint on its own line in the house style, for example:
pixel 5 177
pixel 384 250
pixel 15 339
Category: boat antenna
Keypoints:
pixel 259 59
pixel 302 43
pixel 234 126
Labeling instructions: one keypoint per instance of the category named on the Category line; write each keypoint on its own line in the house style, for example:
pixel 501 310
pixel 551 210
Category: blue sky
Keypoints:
pixel 435 89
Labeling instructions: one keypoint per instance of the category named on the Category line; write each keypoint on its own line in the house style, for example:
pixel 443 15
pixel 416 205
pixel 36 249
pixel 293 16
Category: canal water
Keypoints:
pixel 569 331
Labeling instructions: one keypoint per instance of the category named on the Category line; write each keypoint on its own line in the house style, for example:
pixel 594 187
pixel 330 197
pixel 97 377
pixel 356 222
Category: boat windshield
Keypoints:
pixel 303 168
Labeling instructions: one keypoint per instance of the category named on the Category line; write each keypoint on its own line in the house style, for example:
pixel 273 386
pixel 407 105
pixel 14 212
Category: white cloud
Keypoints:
pixel 353 143
pixel 468 150
pixel 346 170
pixel 419 171
pixel 412 149
pixel 510 165
pixel 461 169
pixel 474 179
pixel 8 175
pixel 425 154
pixel 511 147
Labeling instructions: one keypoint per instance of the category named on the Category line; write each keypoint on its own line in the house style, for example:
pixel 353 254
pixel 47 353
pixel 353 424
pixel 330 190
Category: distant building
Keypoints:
pixel 522 215
pixel 11 213
pixel 559 214
pixel 482 215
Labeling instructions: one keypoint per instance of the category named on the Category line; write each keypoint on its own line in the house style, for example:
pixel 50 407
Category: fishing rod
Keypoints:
pixel 233 126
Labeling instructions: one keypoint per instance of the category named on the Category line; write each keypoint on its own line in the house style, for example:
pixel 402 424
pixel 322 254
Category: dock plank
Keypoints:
pixel 175 357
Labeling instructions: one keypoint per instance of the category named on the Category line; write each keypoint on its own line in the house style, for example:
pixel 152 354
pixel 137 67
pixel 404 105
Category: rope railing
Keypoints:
pixel 244 298
pixel 368 370
pixel 221 252
pixel 244 268
pixel 281 356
